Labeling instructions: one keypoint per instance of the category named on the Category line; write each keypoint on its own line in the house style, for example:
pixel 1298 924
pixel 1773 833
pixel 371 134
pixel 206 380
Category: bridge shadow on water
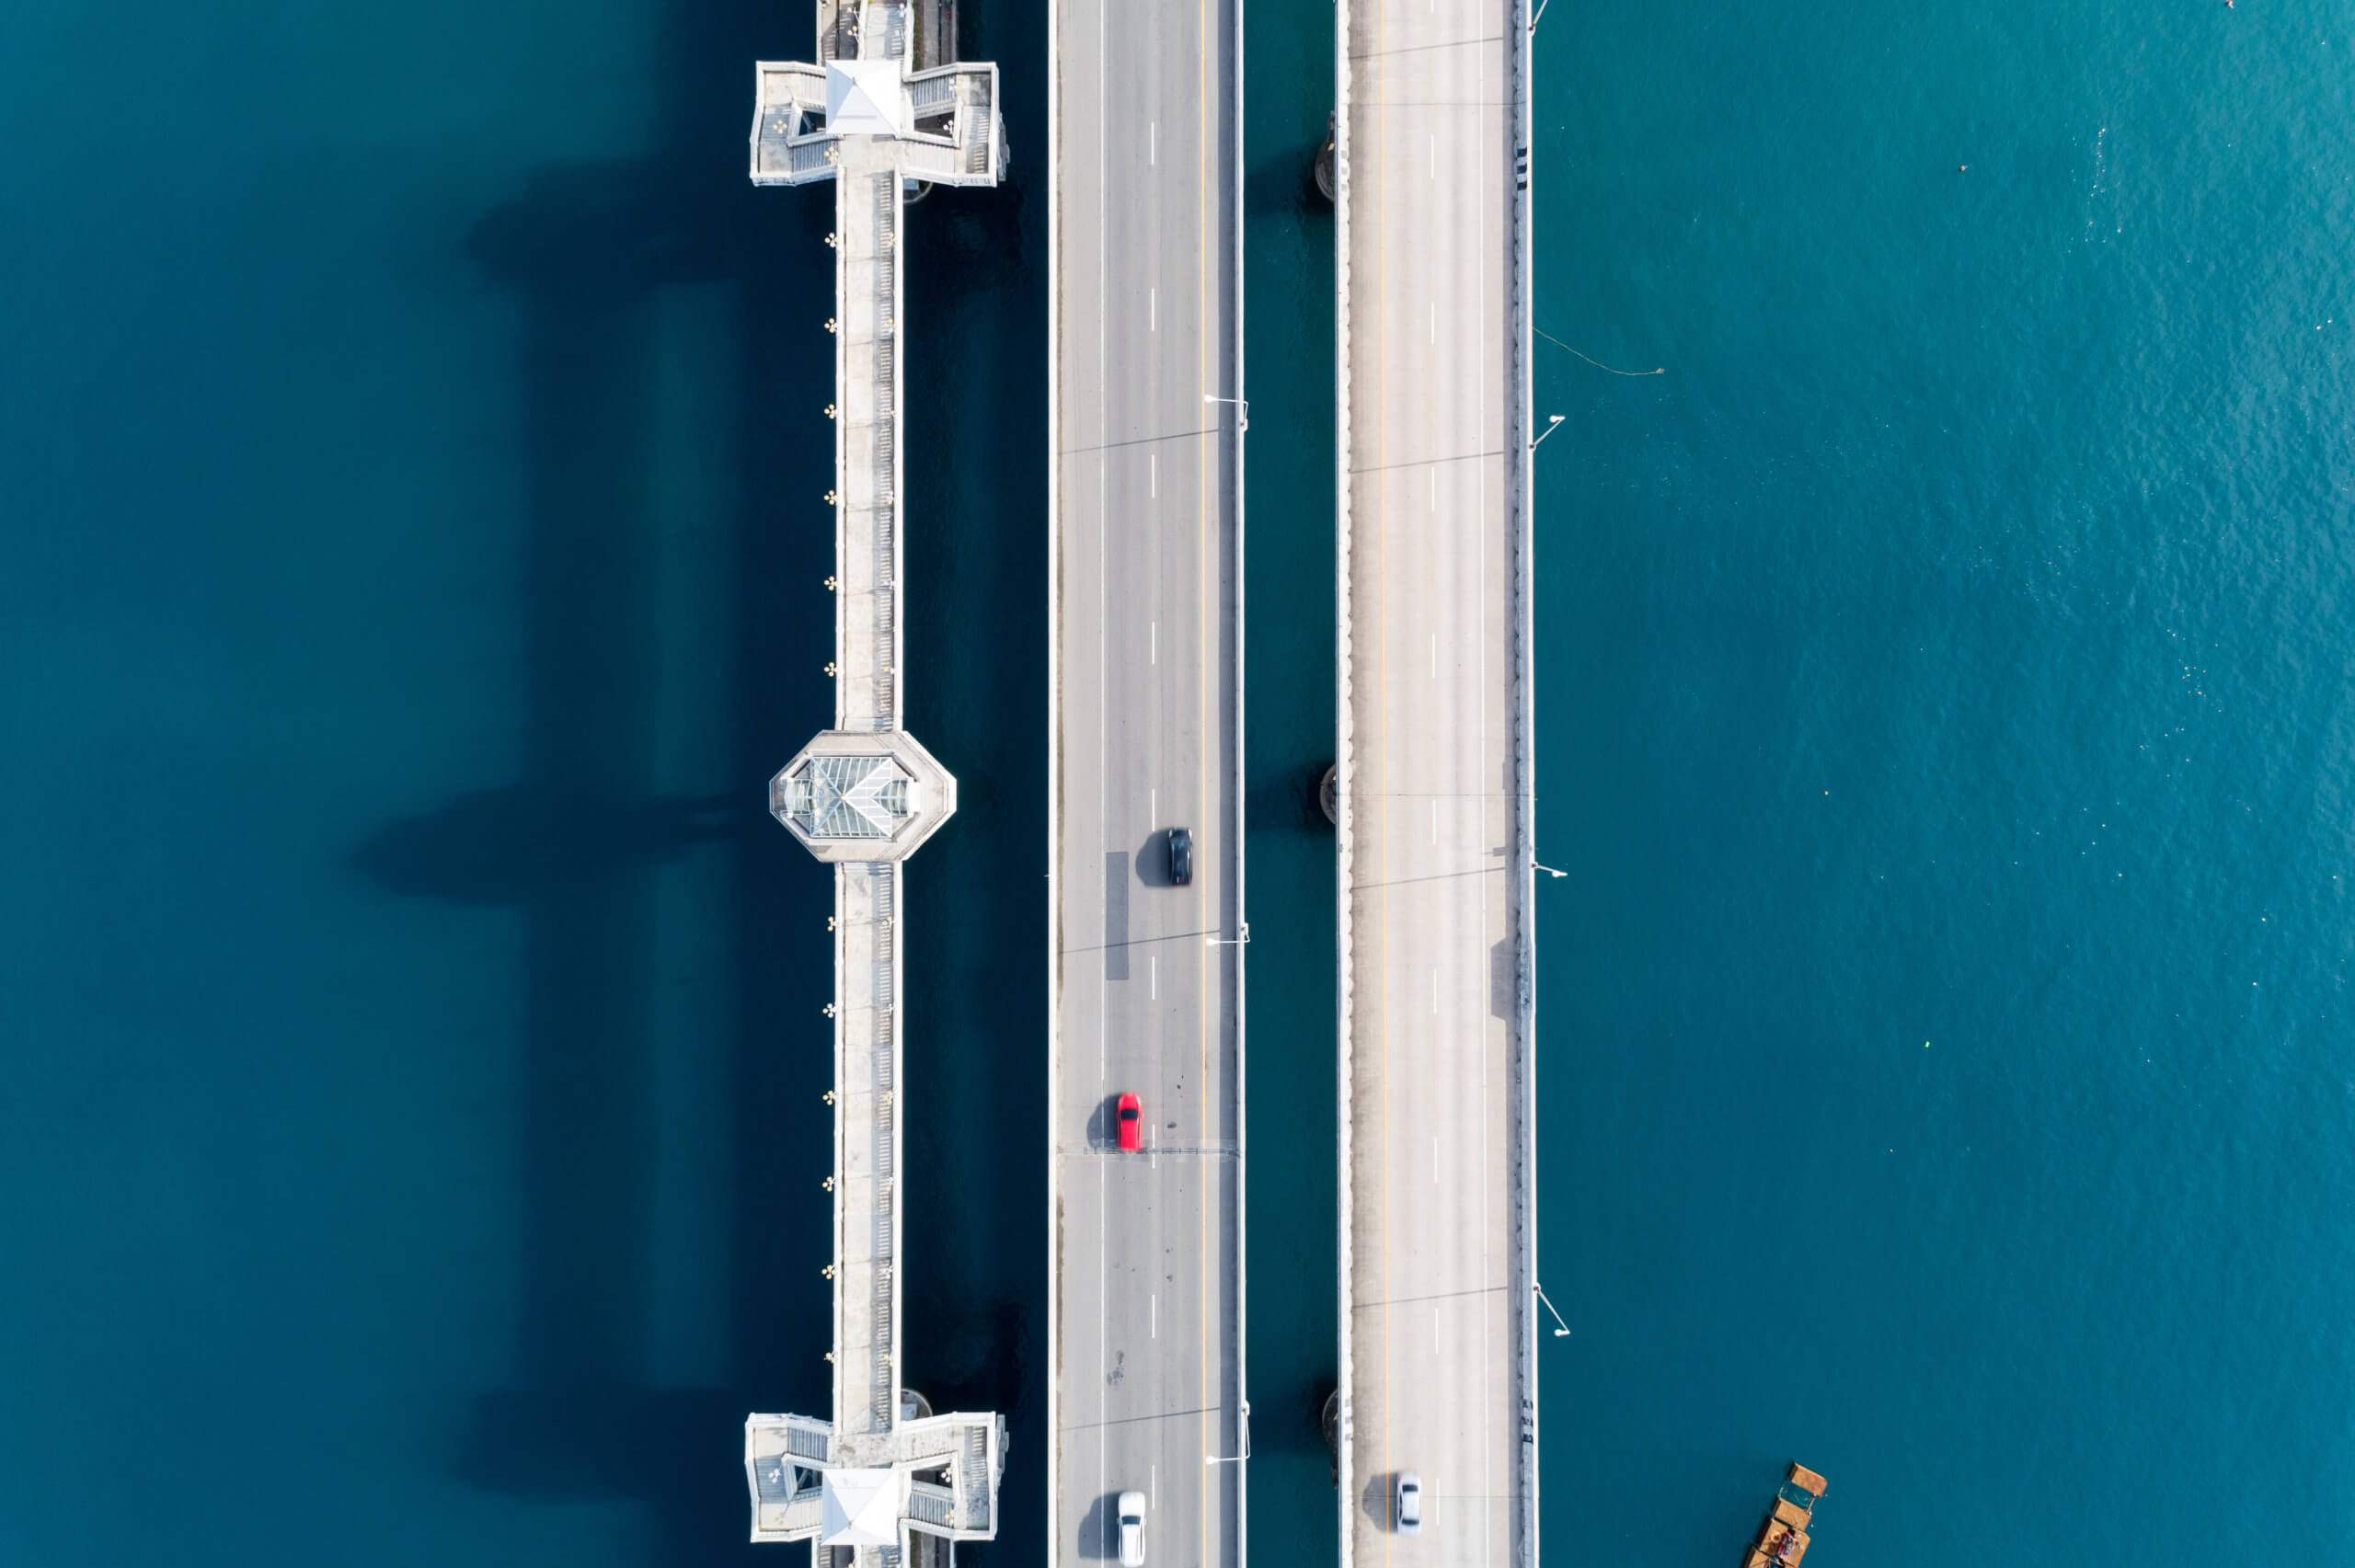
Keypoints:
pixel 581 842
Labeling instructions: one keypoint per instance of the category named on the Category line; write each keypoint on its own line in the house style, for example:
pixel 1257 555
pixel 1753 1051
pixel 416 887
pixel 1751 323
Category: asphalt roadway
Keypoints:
pixel 1435 878
pixel 1146 987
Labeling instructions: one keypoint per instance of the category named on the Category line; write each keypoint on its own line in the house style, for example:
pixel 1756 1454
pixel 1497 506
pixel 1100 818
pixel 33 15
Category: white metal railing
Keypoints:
pixel 931 1504
pixel 886 463
pixel 977 1477
pixel 928 159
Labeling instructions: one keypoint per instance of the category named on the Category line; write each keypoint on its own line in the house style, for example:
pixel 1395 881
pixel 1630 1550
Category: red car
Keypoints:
pixel 1130 1114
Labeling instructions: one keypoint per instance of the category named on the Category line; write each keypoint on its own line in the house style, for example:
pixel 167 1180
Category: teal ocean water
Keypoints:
pixel 411 463
pixel 1944 725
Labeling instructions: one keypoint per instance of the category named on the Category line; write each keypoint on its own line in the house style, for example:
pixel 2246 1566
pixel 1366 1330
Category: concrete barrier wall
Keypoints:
pixel 1242 832
pixel 1525 586
pixel 1344 758
pixel 1054 846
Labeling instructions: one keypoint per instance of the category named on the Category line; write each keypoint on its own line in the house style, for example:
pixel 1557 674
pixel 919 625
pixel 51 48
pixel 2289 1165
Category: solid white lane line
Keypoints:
pixel 1103 1296
pixel 1434 990
pixel 1434 485
pixel 1156 1314
pixel 1151 806
pixel 1434 148
pixel 1153 312
pixel 1153 143
pixel 1434 821
pixel 1434 656
pixel 1155 965
pixel 1434 1176
pixel 1434 321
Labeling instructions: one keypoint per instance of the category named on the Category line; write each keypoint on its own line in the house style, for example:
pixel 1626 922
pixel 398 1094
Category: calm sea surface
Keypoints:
pixel 411 463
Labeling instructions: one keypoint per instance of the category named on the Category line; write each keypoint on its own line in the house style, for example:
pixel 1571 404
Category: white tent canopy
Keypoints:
pixel 862 1508
pixel 862 97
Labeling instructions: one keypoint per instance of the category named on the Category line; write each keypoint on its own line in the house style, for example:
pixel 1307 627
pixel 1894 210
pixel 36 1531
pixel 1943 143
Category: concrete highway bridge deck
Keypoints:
pixel 1436 1000
pixel 1145 979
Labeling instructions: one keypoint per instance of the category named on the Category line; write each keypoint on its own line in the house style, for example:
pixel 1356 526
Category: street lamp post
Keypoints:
pixel 1241 409
pixel 1243 934
pixel 1553 423
pixel 1547 869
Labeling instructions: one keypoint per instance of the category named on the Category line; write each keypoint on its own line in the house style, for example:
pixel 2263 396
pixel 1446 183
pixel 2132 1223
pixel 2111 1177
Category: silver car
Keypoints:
pixel 1407 1507
pixel 1131 1529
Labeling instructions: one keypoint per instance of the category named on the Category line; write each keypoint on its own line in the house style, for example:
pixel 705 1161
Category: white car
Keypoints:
pixel 1131 1529
pixel 1407 1507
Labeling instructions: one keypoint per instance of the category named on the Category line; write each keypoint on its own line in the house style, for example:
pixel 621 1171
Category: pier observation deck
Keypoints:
pixel 881 1481
pixel 1436 993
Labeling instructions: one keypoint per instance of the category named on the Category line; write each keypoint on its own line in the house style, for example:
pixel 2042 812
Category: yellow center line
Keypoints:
pixel 1207 591
pixel 1378 647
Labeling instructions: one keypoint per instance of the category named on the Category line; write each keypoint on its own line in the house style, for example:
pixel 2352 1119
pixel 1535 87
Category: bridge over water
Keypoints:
pixel 885 110
pixel 1433 733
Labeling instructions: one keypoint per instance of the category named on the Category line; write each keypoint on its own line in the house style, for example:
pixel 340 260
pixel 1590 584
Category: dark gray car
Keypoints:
pixel 1181 856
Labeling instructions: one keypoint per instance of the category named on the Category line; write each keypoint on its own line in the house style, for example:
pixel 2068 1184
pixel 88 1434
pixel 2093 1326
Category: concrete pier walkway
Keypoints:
pixel 882 1481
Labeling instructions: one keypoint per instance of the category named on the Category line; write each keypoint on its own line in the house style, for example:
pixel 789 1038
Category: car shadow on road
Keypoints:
pixel 1099 1540
pixel 1103 1126
pixel 1152 859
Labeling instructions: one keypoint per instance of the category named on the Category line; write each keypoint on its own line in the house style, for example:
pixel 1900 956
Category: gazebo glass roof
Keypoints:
pixel 849 797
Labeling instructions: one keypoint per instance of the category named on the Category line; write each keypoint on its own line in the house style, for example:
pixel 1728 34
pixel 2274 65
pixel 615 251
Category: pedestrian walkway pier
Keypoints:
pixel 882 1482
